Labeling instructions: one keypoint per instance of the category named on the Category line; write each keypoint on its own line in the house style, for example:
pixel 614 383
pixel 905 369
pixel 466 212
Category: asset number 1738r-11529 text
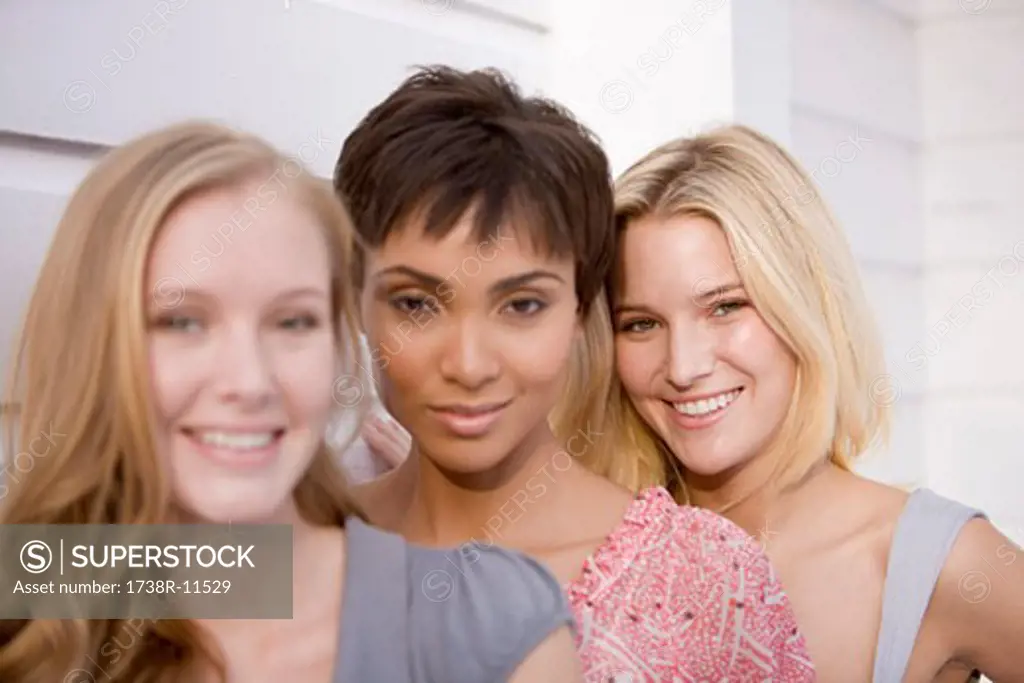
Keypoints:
pixel 170 587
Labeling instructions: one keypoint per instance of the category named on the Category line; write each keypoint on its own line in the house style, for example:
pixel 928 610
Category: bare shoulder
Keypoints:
pixel 984 569
pixel 979 555
pixel 978 602
pixel 879 507
pixel 874 499
pixel 862 518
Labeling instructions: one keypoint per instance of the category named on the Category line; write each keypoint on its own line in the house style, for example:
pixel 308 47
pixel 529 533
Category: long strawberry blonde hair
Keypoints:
pixel 80 370
pixel 796 265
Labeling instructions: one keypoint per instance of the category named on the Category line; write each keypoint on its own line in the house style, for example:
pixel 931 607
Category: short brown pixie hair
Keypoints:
pixel 448 141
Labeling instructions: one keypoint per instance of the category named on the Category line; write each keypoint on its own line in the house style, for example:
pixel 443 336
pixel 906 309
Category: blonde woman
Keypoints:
pixel 746 354
pixel 192 384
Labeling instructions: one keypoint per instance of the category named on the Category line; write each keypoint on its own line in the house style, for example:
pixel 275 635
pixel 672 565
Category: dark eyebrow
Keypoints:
pixel 428 281
pixel 425 279
pixel 516 281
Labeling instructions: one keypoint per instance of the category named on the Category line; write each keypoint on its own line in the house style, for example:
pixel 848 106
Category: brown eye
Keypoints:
pixel 526 307
pixel 409 303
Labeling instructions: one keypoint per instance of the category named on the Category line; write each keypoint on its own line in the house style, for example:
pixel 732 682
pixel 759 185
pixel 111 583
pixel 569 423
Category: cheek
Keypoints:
pixel 750 346
pixel 174 374
pixel 404 370
pixel 403 365
pixel 637 365
pixel 542 355
pixel 307 377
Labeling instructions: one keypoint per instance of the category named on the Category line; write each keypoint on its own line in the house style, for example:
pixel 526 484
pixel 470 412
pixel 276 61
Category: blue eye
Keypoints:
pixel 638 326
pixel 301 322
pixel 724 308
pixel 178 323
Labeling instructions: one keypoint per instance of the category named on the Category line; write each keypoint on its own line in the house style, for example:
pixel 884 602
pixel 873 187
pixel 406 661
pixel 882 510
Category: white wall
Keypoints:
pixel 642 73
pixel 78 77
pixel 856 116
pixel 972 87
pixel 931 204
pixel 638 78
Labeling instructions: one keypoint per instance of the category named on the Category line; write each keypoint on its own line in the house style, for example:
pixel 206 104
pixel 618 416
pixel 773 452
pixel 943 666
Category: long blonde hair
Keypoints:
pixel 80 367
pixel 582 410
pixel 798 269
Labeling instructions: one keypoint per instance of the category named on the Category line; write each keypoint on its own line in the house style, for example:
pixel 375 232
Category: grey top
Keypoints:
pixel 924 536
pixel 412 614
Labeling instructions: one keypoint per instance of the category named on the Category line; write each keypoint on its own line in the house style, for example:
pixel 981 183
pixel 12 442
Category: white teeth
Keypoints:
pixel 237 441
pixel 706 405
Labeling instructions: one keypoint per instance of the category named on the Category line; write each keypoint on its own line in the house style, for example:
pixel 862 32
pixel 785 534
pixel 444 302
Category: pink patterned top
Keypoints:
pixel 677 593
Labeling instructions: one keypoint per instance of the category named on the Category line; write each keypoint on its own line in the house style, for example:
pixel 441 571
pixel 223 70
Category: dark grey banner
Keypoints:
pixel 195 571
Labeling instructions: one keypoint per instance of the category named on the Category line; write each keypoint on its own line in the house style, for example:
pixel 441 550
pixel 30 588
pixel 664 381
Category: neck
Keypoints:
pixel 318 559
pixel 743 496
pixel 318 555
pixel 500 506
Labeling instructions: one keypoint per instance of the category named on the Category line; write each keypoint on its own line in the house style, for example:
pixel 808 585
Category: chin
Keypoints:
pixel 704 467
pixel 709 462
pixel 466 463
pixel 239 507
pixel 467 457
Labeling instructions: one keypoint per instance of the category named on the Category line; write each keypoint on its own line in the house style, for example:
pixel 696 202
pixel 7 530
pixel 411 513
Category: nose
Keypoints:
pixel 244 370
pixel 691 355
pixel 467 358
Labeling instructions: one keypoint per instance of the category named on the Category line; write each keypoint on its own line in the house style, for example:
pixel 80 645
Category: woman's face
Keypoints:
pixel 242 352
pixel 702 367
pixel 473 341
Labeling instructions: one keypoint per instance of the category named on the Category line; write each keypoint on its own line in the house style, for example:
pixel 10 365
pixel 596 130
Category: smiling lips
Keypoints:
pixel 705 406
pixel 470 421
pixel 236 448
pixel 703 412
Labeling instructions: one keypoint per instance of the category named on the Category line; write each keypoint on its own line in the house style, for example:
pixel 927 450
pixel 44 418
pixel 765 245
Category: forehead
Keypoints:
pixel 212 242
pixel 662 256
pixel 462 256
